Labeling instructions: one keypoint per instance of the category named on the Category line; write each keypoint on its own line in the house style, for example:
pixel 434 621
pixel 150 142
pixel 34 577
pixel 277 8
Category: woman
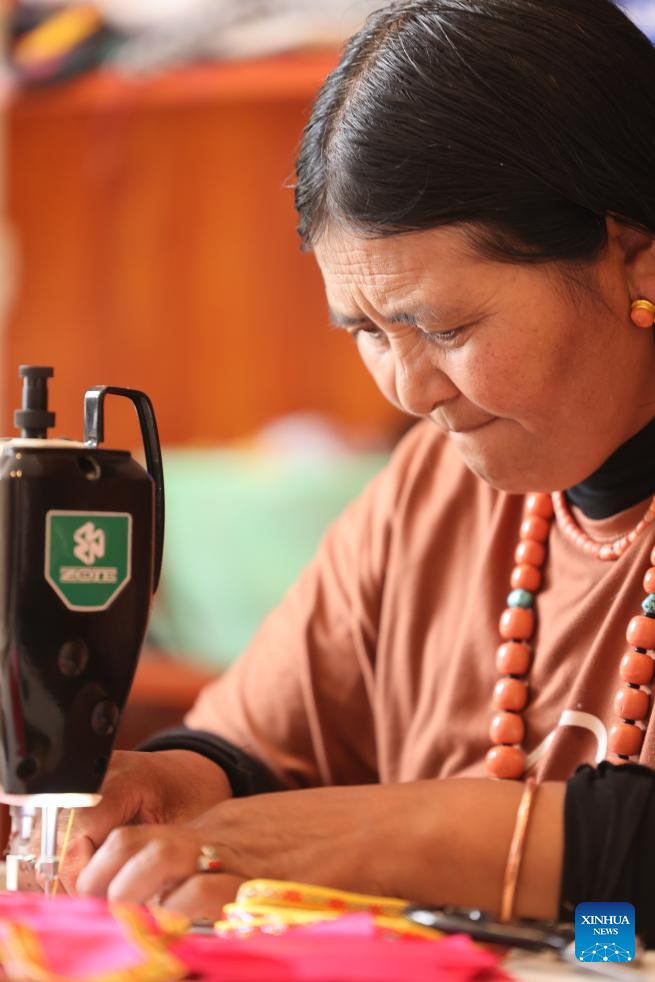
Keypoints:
pixel 476 185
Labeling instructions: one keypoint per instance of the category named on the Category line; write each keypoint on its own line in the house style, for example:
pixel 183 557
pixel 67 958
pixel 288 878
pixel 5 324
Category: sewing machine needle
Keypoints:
pixel 48 862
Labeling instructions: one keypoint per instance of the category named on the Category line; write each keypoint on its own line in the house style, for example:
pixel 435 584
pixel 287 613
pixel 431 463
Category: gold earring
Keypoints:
pixel 642 313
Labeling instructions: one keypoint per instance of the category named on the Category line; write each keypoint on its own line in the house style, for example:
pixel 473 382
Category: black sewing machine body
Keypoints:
pixel 76 575
pixel 81 542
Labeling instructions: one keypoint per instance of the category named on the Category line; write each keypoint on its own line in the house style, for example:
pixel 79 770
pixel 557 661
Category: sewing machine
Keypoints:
pixel 81 541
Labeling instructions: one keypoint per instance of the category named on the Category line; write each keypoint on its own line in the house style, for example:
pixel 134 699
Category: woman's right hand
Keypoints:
pixel 166 786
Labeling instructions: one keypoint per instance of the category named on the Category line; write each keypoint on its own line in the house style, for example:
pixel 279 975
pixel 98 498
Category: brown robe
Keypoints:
pixel 379 664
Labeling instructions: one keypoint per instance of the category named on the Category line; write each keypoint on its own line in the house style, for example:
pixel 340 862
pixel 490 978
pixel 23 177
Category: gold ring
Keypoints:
pixel 209 860
pixel 643 305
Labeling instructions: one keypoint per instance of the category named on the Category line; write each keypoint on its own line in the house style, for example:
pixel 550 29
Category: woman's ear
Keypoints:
pixel 637 251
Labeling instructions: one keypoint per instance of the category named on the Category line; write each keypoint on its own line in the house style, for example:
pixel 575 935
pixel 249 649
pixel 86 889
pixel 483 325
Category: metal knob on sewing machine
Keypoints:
pixel 81 542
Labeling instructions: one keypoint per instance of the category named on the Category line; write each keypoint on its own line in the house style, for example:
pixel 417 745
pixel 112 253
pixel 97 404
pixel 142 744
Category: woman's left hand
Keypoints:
pixel 350 838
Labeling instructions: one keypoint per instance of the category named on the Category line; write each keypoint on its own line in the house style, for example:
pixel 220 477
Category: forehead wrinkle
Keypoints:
pixel 400 303
pixel 370 296
pixel 365 277
pixel 389 280
pixel 392 294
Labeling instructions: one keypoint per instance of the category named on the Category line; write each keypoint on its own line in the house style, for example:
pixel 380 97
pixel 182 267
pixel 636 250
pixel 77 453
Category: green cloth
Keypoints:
pixel 240 526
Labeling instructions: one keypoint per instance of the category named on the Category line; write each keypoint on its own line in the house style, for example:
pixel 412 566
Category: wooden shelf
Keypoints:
pixel 158 250
pixel 279 77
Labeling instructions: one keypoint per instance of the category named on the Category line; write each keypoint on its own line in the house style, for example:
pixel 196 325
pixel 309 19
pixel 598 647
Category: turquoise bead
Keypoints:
pixel 520 598
pixel 648 605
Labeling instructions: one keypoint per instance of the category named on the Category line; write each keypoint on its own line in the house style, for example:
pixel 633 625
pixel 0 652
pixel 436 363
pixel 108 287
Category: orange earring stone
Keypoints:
pixel 642 313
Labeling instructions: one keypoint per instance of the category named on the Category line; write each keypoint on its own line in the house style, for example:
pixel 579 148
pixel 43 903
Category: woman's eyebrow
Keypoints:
pixel 339 319
pixel 404 317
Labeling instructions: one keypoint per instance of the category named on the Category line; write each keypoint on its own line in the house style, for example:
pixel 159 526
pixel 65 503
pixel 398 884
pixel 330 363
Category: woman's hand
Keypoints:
pixel 437 842
pixel 158 864
pixel 161 787
pixel 351 838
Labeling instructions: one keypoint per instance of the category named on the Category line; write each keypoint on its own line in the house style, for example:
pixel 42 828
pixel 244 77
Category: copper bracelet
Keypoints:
pixel 516 850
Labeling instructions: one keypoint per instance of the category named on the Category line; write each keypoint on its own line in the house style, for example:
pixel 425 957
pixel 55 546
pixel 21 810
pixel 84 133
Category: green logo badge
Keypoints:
pixel 88 556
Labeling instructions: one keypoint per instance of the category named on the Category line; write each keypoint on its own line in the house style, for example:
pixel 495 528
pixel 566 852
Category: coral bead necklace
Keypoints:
pixel 506 758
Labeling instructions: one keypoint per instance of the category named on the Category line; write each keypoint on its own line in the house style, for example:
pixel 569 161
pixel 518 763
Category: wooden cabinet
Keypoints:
pixel 157 249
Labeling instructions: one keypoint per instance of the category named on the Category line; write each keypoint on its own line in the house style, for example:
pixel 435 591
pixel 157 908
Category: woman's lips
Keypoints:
pixel 471 429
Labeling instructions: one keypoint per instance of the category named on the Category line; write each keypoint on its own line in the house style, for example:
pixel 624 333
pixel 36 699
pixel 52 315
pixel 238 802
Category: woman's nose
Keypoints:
pixel 421 387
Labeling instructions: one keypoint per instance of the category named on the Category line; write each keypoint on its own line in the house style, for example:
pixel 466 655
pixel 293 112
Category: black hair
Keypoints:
pixel 527 121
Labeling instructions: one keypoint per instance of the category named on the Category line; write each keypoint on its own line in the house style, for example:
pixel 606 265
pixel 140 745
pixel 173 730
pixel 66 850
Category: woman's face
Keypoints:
pixel 535 382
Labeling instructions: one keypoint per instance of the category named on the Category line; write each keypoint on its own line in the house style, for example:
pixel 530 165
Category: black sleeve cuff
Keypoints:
pixel 609 848
pixel 246 775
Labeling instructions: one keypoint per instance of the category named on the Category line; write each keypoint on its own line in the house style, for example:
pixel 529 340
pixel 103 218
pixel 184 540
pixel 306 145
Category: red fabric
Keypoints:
pixel 350 949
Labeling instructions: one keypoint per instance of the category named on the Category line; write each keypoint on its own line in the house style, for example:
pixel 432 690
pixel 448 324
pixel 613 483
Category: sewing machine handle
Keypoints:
pixel 94 433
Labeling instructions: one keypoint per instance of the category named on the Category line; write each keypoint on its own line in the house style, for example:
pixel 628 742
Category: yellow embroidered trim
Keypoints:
pixel 271 906
pixel 239 923
pixel 282 894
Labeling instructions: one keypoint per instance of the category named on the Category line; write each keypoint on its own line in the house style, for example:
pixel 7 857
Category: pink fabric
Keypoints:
pixel 81 939
pixel 78 935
